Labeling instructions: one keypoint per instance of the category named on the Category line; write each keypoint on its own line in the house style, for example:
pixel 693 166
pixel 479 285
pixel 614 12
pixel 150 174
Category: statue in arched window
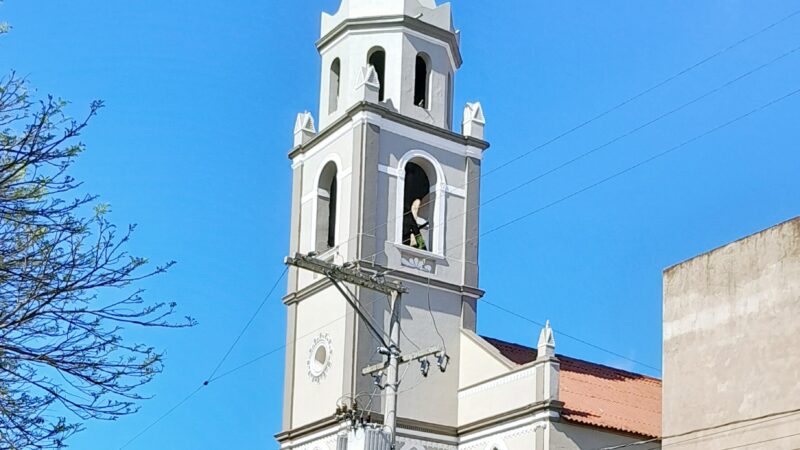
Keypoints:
pixel 417 205
pixel 414 225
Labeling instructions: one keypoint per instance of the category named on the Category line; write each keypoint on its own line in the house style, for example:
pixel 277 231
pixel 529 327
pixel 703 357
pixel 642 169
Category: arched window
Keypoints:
pixel 326 208
pixel 377 59
pixel 419 204
pixel 421 79
pixel 334 85
pixel 420 201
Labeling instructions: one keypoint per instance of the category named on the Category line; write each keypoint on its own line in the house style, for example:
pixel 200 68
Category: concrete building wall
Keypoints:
pixel 732 344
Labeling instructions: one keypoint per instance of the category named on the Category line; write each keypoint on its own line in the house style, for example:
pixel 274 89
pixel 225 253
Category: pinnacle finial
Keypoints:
pixel 547 342
pixel 368 85
pixel 474 121
pixel 304 129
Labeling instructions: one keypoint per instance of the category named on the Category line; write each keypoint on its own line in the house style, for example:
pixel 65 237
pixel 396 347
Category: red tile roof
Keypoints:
pixel 598 395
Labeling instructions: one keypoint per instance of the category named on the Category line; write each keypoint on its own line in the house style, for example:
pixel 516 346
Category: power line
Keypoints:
pixel 763 442
pixel 163 416
pixel 637 165
pixel 650 89
pixel 216 369
pixel 608 111
pixel 769 418
pixel 275 350
pixel 607 179
pixel 433 319
pixel 610 142
pixel 685 143
pixel 249 322
pixel 577 339
pixel 612 177
pixel 213 376
pixel 747 423
pixel 562 199
pixel 225 374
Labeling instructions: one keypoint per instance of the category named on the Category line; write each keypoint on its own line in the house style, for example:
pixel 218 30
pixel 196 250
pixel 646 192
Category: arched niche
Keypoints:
pixel 334 85
pixel 420 180
pixel 376 58
pixel 326 207
pixel 422 81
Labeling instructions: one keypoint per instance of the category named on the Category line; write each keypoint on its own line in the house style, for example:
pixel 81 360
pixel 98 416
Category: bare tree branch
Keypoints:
pixel 67 285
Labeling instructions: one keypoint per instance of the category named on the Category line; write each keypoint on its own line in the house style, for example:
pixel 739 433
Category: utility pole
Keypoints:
pixel 391 350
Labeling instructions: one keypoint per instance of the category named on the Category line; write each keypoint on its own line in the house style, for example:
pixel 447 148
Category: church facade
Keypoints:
pixel 383 181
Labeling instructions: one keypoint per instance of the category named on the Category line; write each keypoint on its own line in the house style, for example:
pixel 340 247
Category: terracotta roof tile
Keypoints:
pixel 598 395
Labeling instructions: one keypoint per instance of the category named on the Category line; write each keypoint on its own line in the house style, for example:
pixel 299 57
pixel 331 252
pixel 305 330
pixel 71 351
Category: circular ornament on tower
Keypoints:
pixel 319 358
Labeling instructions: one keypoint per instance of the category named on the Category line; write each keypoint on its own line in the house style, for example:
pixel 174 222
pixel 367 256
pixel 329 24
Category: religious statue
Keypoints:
pixel 412 226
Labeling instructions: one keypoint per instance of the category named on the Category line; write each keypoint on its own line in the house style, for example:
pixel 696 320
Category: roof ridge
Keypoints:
pixel 570 358
pixel 611 368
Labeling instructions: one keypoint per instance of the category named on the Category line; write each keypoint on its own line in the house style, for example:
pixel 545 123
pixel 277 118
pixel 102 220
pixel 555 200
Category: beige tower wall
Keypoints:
pixel 732 344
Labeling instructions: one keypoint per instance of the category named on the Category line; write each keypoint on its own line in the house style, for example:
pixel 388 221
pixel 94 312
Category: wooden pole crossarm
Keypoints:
pixel 345 274
pixel 421 354
pixel 404 359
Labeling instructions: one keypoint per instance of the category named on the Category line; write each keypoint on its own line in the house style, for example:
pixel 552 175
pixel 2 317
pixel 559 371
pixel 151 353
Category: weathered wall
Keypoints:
pixel 732 343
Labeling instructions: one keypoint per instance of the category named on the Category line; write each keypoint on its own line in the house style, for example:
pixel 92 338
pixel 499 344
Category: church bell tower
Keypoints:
pixel 387 184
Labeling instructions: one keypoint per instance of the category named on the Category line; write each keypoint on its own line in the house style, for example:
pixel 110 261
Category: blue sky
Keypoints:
pixel 192 147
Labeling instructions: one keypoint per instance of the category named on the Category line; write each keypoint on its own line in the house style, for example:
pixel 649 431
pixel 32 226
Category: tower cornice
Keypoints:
pixel 449 38
pixel 386 113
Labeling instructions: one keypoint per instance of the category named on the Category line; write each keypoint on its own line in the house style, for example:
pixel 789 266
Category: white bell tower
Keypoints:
pixel 385 183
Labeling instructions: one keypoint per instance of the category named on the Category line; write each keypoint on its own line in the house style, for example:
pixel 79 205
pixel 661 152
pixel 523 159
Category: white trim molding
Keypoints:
pixel 456 191
pixel 388 170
